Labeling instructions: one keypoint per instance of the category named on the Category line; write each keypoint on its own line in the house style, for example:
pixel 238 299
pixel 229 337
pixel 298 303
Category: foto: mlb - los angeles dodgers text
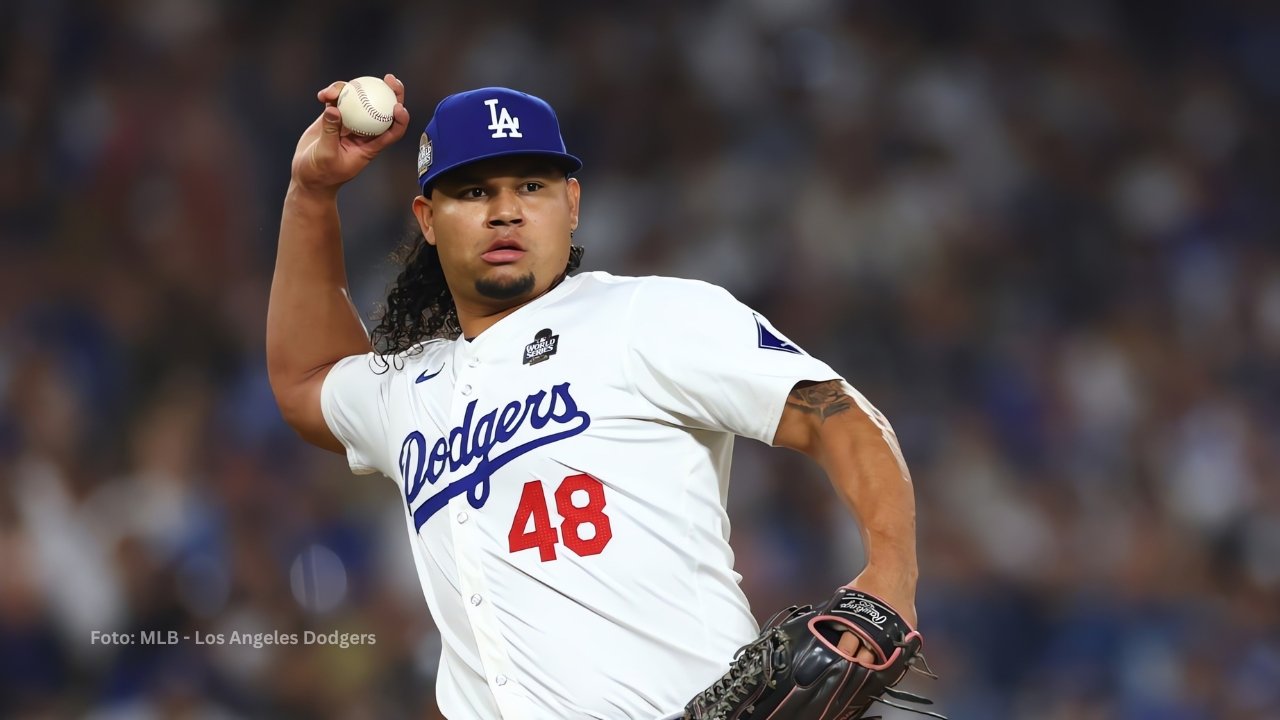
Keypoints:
pixel 256 640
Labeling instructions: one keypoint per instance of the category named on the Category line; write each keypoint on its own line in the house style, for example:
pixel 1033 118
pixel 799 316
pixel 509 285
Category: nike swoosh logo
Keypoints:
pixel 423 377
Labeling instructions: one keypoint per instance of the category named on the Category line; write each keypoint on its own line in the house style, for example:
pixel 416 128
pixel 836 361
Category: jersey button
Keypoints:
pixel 466 389
pixel 462 517
pixel 473 362
pixel 476 599
pixel 500 680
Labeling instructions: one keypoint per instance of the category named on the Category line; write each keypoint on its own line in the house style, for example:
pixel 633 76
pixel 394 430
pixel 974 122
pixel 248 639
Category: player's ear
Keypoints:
pixel 575 195
pixel 424 212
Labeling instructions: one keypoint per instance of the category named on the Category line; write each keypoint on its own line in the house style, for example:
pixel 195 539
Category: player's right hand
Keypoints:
pixel 328 155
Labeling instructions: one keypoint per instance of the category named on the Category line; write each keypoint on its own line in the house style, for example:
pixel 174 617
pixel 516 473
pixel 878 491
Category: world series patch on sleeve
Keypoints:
pixel 795 671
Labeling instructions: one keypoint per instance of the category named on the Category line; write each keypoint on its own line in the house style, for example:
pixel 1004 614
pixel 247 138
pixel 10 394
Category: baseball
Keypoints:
pixel 366 104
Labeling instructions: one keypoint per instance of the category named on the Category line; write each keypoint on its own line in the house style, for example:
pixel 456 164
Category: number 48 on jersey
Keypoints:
pixel 583 527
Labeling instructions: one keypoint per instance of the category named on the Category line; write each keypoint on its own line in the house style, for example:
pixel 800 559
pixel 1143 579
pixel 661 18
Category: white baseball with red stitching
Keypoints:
pixel 366 104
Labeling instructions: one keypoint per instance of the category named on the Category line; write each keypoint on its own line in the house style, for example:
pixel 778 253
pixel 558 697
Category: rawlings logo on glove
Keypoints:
pixel 795 670
pixel 865 609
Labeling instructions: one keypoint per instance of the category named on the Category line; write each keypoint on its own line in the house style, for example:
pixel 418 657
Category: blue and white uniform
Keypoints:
pixel 565 475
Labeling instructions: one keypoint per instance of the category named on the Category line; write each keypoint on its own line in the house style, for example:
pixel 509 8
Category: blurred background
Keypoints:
pixel 1044 238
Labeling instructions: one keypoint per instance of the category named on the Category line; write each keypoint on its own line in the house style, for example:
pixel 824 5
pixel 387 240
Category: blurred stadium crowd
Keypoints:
pixel 1043 237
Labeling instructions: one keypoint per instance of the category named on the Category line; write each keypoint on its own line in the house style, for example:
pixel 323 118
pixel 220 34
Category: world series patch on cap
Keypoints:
pixel 487 123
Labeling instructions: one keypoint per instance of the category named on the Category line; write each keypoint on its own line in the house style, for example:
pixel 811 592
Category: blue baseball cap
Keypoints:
pixel 487 123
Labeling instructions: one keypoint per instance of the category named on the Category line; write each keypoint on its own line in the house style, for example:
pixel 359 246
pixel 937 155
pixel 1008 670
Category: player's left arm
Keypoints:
pixel 835 425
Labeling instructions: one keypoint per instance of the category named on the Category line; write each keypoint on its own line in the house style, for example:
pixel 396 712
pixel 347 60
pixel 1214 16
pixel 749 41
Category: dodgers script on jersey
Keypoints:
pixel 564 476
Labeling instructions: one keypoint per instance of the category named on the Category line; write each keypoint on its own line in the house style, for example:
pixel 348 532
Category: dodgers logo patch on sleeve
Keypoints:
pixel 770 339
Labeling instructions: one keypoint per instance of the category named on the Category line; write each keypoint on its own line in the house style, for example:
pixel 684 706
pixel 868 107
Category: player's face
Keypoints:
pixel 502 228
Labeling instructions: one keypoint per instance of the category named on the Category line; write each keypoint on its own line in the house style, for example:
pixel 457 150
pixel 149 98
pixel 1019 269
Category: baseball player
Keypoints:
pixel 561 441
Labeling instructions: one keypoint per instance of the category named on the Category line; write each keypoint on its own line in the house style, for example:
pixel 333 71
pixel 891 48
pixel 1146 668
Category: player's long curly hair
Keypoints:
pixel 419 306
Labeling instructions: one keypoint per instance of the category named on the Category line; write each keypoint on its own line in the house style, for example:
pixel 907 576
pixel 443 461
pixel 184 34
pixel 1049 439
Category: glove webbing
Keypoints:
pixel 750 672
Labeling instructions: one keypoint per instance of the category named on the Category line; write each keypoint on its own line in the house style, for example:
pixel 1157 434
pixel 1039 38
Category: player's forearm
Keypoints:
pixel 860 454
pixel 869 482
pixel 311 322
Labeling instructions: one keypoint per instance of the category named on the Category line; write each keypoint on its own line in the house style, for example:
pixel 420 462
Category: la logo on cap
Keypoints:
pixel 502 125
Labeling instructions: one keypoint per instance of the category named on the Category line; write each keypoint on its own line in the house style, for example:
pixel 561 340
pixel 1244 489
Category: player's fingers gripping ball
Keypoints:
pixel 367 105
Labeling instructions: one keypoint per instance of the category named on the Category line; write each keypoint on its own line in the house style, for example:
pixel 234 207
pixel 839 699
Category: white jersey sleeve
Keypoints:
pixel 712 362
pixel 354 401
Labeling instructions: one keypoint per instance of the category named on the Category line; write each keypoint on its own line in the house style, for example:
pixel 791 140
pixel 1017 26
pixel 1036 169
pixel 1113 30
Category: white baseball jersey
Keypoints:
pixel 565 476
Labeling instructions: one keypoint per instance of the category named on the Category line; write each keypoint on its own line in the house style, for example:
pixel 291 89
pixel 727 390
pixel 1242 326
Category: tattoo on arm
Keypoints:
pixel 823 399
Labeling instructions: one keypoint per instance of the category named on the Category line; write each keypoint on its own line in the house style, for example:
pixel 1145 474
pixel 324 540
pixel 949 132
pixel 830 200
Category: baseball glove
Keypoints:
pixel 794 670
